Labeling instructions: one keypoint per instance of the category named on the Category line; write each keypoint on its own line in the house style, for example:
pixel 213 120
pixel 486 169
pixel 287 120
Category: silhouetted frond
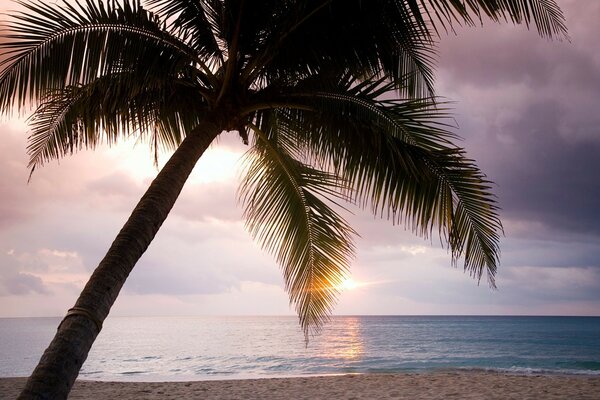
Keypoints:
pixel 397 156
pixel 546 15
pixel 54 46
pixel 285 212
pixel 108 109
pixel 338 94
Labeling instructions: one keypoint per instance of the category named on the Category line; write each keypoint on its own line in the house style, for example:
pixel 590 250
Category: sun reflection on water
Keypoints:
pixel 345 340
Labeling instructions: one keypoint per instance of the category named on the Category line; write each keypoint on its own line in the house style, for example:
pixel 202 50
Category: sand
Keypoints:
pixel 436 385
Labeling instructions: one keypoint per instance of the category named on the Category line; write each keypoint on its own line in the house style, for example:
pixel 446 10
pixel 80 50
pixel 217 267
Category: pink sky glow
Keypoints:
pixel 527 109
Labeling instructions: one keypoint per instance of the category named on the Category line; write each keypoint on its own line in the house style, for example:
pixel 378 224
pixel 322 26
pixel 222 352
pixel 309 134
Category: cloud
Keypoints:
pixel 21 283
pixel 547 177
pixel 527 109
pixel 553 284
pixel 114 190
pixel 528 112
pixel 204 201
pixel 201 257
pixel 44 271
pixel 15 205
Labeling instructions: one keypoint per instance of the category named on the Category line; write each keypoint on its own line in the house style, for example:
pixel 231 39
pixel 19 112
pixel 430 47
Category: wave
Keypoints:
pixel 535 371
pixel 583 365
pixel 133 372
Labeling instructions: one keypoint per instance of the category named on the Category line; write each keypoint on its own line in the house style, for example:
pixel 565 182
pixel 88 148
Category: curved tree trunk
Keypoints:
pixel 60 364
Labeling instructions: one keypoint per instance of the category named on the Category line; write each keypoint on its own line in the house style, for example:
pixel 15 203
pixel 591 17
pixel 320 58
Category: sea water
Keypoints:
pixel 195 348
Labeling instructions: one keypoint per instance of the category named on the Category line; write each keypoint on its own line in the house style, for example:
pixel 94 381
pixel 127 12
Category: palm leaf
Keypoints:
pixel 285 213
pixel 58 45
pixel 313 90
pixel 398 157
pixel 109 108
pixel 546 15
pixel 196 22
pixel 376 38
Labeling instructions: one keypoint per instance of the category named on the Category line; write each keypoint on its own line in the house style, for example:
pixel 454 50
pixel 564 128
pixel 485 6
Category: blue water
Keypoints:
pixel 187 348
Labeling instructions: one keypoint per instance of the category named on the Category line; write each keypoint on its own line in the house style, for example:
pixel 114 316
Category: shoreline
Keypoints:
pixel 158 378
pixel 457 384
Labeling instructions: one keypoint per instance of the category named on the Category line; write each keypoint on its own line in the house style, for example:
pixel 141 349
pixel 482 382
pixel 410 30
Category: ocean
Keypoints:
pixel 199 348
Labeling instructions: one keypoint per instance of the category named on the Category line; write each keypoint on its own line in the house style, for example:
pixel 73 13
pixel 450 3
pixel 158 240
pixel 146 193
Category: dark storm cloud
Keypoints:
pixel 506 55
pixel 550 178
pixel 528 110
pixel 545 285
pixel 557 251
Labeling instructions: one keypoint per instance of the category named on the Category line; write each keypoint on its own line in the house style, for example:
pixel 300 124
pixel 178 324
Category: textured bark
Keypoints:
pixel 60 364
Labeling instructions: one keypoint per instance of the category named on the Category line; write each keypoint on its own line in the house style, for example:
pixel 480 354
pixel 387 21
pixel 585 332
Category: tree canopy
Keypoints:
pixel 335 98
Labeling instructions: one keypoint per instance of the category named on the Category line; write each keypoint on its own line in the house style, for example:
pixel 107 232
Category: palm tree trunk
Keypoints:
pixel 60 364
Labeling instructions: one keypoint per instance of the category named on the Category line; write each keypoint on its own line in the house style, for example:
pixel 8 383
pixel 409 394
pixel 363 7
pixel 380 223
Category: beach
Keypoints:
pixel 424 386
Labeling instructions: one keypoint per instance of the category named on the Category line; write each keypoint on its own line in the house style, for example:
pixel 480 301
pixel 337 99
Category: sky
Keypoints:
pixel 527 110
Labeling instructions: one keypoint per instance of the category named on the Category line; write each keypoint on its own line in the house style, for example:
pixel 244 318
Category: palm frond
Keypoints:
pixel 53 46
pixel 285 213
pixel 108 108
pixel 398 156
pixel 391 38
pixel 376 38
pixel 196 22
pixel 317 81
pixel 546 15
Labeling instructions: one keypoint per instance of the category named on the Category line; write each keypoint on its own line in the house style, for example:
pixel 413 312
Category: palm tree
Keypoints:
pixel 334 98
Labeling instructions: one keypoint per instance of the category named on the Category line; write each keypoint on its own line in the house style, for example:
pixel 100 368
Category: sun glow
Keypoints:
pixel 348 284
pixel 217 164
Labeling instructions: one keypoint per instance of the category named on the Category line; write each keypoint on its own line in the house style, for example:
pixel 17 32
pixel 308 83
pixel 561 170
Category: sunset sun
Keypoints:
pixel 348 284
